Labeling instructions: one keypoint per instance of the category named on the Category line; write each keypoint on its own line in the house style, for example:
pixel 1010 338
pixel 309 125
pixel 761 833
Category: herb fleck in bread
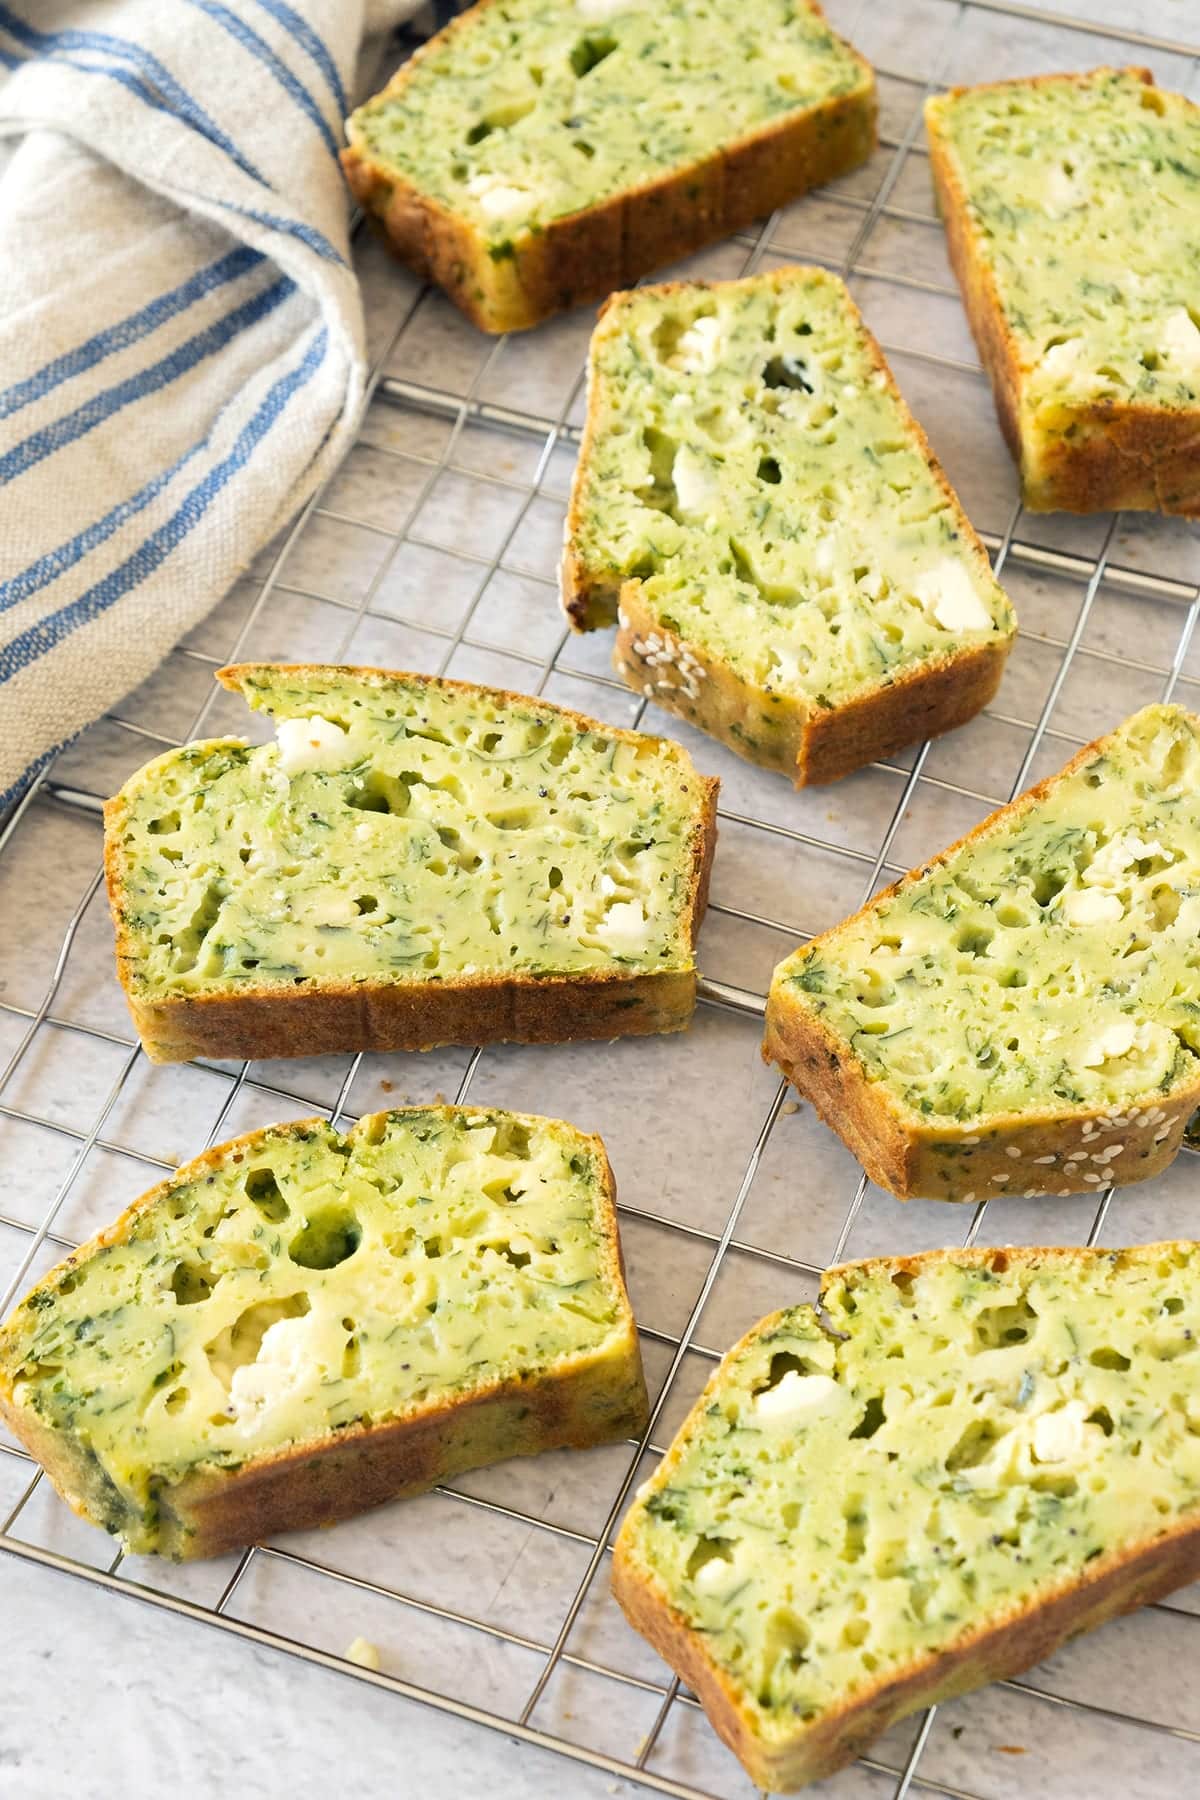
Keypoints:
pixel 302 1324
pixel 755 504
pixel 970 1457
pixel 1072 212
pixel 1022 1013
pixel 540 153
pixel 411 862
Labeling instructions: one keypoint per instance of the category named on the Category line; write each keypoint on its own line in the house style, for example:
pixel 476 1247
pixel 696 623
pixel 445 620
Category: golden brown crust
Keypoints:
pixel 995 1649
pixel 1060 1150
pixel 1103 456
pixel 587 1399
pixel 333 1017
pixel 612 244
pixel 811 744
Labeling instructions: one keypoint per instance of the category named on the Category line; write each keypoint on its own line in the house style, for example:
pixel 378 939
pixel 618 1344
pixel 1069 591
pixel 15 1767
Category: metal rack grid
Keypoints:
pixel 455 423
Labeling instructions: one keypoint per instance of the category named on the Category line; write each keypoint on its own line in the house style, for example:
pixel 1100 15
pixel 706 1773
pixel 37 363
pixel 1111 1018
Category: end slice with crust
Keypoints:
pixel 788 567
pixel 301 1324
pixel 1071 218
pixel 541 153
pixel 971 1456
pixel 411 862
pixel 1022 1013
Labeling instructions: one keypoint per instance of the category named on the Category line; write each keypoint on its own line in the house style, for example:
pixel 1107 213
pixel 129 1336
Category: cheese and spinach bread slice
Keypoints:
pixel 538 153
pixel 301 1324
pixel 967 1457
pixel 409 862
pixel 1072 213
pixel 1022 1013
pixel 788 566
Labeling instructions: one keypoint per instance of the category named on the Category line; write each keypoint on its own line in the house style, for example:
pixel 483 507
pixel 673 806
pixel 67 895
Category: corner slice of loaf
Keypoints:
pixel 409 862
pixel 539 153
pixel 1022 1013
pixel 1070 206
pixel 757 508
pixel 301 1324
pixel 965 1459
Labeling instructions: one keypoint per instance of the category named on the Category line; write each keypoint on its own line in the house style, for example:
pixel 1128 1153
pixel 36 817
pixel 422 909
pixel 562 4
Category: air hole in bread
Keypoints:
pixel 264 1192
pixel 327 1238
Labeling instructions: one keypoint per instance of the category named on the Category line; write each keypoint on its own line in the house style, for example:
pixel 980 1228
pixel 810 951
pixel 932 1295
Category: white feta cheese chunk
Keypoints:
pixel 696 484
pixel 624 929
pixel 717 1574
pixel 329 907
pixel 1062 1436
pixel 1180 339
pixel 498 199
pixel 1061 359
pixel 1119 854
pixel 699 346
pixel 787 666
pixel 1061 190
pixel 1115 1041
pixel 316 743
pixel 596 10
pixel 288 1358
pixel 948 596
pixel 796 1398
pixel 1091 906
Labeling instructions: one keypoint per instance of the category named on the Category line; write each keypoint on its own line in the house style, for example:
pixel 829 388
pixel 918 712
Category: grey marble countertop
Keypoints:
pixel 107 1698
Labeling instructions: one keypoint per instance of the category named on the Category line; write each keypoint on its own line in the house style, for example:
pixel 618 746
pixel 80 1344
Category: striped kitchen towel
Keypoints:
pixel 181 335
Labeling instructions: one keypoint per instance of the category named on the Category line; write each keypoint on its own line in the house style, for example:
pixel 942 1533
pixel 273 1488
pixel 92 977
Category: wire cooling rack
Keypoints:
pixel 434 548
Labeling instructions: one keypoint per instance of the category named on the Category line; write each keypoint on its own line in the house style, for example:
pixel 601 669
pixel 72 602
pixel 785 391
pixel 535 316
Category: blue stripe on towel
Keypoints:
pixel 129 330
pixel 43 636
pixel 249 39
pixel 56 562
pixel 307 234
pixel 32 772
pixel 309 40
pixel 161 91
pixel 75 424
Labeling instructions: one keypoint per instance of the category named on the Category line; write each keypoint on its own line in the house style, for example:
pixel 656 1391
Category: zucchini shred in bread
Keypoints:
pixel 1072 213
pixel 538 153
pixel 968 1458
pixel 412 862
pixel 1022 1013
pixel 301 1324
pixel 755 505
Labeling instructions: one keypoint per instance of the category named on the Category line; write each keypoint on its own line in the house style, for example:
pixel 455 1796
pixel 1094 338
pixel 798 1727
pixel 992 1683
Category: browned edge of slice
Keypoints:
pixel 809 743
pixel 1003 1153
pixel 1131 457
pixel 585 255
pixel 993 1650
pixel 362 1466
pixel 269 1020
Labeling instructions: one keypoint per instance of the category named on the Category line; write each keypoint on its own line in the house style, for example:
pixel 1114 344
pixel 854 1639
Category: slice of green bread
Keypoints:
pixel 301 1324
pixel 1073 223
pixel 411 862
pixel 968 1458
pixel 754 503
pixel 1022 1013
pixel 537 153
